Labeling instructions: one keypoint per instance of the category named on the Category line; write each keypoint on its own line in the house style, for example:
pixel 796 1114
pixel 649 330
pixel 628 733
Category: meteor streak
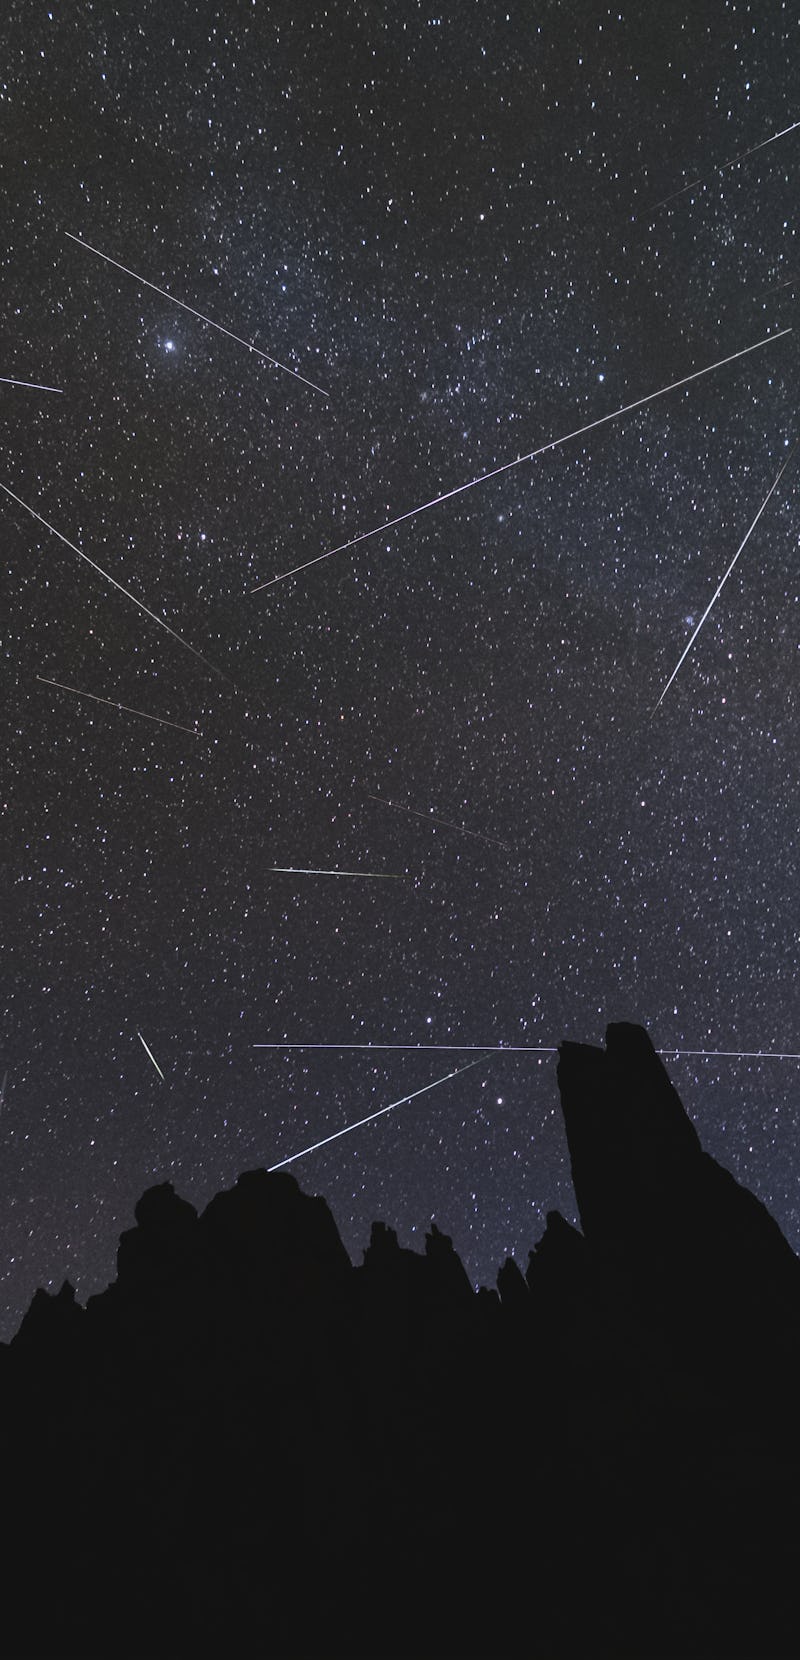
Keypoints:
pixel 742 156
pixel 434 1048
pixel 533 1049
pixel 520 460
pixel 430 818
pixel 372 1115
pixel 113 581
pixel 153 1058
pixel 199 314
pixel 192 730
pixel 788 282
pixel 773 487
pixel 374 875
pixel 732 1054
pixel 33 385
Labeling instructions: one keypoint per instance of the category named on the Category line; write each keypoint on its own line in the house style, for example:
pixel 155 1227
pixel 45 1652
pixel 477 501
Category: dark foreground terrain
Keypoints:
pixel 248 1447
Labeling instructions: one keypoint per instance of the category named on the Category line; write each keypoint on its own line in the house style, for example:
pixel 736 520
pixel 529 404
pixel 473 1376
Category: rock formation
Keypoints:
pixel 246 1445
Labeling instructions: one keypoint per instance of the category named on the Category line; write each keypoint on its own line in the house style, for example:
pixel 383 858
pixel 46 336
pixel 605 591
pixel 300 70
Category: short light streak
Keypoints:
pixel 152 1057
pixel 430 818
pixel 113 581
pixel 199 314
pixel 192 730
pixel 32 385
pixel 684 654
pixel 533 1049
pixel 371 875
pixel 520 460
pixel 726 164
pixel 786 283
pixel 373 1115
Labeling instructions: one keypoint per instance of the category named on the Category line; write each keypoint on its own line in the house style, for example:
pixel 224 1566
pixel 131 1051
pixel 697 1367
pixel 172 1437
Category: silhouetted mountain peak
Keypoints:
pixel 52 1317
pixel 383 1243
pixel 629 1138
pixel 512 1286
pixel 703 1250
pixel 282 1240
pixel 161 1210
pixel 165 1234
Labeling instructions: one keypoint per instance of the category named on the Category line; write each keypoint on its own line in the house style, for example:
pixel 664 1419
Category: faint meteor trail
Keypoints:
pixel 33 385
pixel 153 1058
pixel 788 282
pixel 372 1115
pixel 724 165
pixel 373 875
pixel 684 654
pixel 520 460
pixel 430 818
pixel 203 319
pixel 731 1054
pixel 113 581
pixel 192 730
pixel 531 1049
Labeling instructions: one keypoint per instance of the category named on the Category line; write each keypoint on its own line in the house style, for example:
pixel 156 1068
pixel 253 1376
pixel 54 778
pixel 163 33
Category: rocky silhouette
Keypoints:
pixel 248 1446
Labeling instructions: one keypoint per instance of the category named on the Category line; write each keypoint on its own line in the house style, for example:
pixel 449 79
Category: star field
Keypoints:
pixel 447 222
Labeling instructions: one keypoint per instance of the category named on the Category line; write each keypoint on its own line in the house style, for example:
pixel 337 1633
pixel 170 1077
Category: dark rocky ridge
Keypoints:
pixel 248 1446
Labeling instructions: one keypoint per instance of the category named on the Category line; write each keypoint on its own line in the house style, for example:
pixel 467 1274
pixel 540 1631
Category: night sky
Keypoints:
pixel 447 221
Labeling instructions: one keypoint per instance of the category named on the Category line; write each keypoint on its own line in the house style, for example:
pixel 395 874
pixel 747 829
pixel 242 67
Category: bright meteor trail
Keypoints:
pixel 152 1057
pixel 372 1115
pixel 112 580
pixel 199 314
pixel 192 730
pixel 520 461
pixel 532 1049
pixel 433 1048
pixel 684 654
pixel 33 385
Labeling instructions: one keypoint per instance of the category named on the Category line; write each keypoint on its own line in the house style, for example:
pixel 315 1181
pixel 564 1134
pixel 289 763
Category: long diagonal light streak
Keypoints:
pixel 684 654
pixel 742 156
pixel 113 581
pixel 199 314
pixel 553 444
pixel 374 875
pixel 192 730
pixel 33 385
pixel 430 818
pixel 152 1057
pixel 533 1049
pixel 373 1115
